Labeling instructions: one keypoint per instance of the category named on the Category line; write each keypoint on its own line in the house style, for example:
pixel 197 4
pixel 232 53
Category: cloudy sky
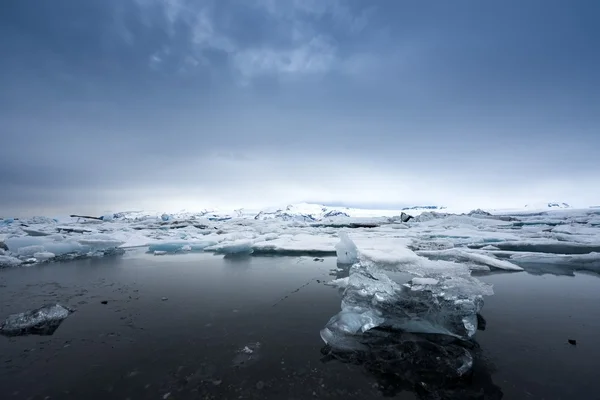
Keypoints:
pixel 170 104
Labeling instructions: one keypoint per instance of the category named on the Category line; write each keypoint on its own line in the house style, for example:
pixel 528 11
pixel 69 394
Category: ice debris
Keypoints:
pixel 41 321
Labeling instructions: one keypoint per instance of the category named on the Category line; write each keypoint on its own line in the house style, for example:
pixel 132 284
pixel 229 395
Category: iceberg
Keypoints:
pixel 41 321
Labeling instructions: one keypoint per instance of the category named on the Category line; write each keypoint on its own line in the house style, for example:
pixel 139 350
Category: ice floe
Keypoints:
pixel 481 240
pixel 41 321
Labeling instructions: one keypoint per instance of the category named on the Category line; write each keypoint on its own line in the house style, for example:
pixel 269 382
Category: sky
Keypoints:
pixel 111 105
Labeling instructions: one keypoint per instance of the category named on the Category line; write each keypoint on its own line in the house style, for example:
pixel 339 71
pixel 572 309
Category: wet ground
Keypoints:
pixel 199 326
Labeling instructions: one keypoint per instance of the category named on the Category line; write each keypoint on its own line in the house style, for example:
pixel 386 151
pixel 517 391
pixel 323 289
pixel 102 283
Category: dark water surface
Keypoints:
pixel 173 327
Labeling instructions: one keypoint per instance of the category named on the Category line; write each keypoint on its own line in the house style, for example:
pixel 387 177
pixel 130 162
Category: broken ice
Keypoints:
pixel 41 321
pixel 444 303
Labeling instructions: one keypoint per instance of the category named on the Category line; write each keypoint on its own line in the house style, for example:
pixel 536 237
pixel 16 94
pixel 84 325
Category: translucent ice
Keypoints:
pixel 41 321
pixel 242 246
pixel 445 300
pixel 346 250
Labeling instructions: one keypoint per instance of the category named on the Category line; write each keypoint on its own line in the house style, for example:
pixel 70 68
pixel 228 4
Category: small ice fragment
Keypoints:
pixel 165 299
pixel 424 281
pixel 42 321
pixel 247 350
pixel 489 247
pixel 340 283
pixel 160 252
pixel 346 250
pixel 186 247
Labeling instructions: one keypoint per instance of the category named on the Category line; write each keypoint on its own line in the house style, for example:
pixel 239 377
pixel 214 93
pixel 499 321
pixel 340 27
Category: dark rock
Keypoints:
pixel 104 302
pixel 572 342
pixel 404 217
pixel 3 246
pixel 335 213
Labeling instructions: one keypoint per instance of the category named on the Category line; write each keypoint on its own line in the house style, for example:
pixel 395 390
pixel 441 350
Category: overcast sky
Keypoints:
pixel 170 104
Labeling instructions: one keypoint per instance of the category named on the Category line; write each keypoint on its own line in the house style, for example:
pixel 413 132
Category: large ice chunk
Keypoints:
pixel 297 244
pixel 41 321
pixel 59 245
pixel 346 250
pixel 445 300
pixel 241 246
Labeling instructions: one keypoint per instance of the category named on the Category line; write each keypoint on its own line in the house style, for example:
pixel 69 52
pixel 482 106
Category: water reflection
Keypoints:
pixel 431 366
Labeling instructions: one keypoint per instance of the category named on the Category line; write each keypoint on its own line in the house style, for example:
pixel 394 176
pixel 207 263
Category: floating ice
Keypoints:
pixel 175 247
pixel 41 321
pixel 557 264
pixel 44 255
pixel 346 250
pixel 424 281
pixel 27 246
pixel 470 257
pixel 242 246
pixel 300 244
pixel 549 246
pixel 445 301
pixel 8 261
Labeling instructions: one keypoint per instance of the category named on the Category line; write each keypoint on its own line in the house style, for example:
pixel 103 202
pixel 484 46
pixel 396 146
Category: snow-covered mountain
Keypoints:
pixel 309 212
pixel 547 206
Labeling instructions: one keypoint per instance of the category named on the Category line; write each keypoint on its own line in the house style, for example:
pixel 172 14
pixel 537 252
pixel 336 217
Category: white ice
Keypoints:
pixel 346 250
pixel 477 240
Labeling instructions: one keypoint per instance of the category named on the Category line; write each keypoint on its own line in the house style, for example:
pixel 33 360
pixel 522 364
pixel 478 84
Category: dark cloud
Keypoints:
pixel 169 103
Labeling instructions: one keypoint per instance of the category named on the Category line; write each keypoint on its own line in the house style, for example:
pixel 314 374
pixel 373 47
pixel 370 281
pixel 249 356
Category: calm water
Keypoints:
pixel 173 328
